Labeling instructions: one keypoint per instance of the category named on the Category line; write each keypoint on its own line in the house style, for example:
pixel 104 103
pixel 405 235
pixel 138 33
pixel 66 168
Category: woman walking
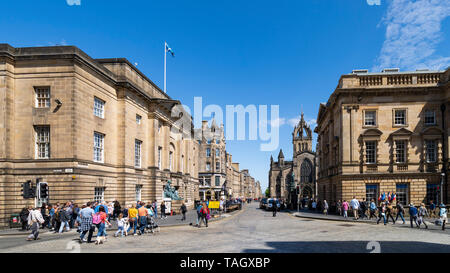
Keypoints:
pixel 345 206
pixel 102 224
pixel 204 215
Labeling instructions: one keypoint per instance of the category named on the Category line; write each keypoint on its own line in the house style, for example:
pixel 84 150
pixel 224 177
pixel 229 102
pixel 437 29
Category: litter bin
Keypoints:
pixel 14 221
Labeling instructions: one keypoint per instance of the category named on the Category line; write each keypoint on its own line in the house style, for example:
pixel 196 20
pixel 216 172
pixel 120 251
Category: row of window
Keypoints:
pixel 43 148
pixel 207 181
pixel 208 152
pixel 99 193
pixel 402 193
pixel 43 101
pixel 399 117
pixel 208 166
pixel 401 151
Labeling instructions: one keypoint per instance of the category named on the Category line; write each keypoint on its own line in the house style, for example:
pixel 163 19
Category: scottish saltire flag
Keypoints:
pixel 168 49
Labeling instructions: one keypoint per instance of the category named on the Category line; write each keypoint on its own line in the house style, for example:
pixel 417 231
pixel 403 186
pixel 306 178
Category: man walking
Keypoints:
pixel 372 209
pixel 64 219
pixel 422 212
pixel 400 212
pixel 363 208
pixel 86 215
pixel 355 207
pixel 413 215
pixel 35 219
pixel 143 213
pixel 183 211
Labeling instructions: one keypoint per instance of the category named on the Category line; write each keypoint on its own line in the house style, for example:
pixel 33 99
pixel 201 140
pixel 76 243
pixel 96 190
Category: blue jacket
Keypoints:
pixel 413 211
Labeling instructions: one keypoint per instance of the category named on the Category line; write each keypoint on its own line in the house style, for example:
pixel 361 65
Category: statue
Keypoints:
pixel 171 192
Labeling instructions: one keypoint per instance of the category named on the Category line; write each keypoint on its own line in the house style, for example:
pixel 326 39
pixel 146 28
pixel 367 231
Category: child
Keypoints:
pixel 120 225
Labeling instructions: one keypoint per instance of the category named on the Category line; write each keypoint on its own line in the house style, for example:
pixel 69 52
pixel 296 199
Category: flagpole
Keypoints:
pixel 165 53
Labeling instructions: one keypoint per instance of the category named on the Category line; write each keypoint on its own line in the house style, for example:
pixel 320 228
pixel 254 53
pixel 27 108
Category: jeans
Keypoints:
pixel 372 213
pixel 133 224
pixel 184 216
pixel 401 216
pixel 101 230
pixel 121 230
pixel 199 218
pixel 65 223
pixel 345 214
pixel 413 218
pixel 156 212
pixel 379 217
pixel 142 223
pixel 34 231
pixel 203 219
pixel 91 232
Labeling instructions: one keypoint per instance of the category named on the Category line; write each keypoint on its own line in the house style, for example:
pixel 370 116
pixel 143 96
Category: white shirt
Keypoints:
pixel 354 203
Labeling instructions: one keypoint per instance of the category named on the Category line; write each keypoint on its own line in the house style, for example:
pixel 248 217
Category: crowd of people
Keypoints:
pixel 383 211
pixel 88 217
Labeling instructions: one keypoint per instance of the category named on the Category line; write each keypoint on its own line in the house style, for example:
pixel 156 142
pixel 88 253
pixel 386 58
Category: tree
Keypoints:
pixel 267 192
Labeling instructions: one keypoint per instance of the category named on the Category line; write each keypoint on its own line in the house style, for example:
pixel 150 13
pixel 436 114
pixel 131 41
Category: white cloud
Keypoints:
pixel 274 123
pixel 310 121
pixel 413 32
pixel 73 2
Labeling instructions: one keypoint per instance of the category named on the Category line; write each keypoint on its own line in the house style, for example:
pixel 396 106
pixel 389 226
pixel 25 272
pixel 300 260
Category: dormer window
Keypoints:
pixel 430 117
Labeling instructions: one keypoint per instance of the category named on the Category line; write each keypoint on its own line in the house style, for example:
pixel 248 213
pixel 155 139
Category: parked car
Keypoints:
pixel 270 203
pixel 263 203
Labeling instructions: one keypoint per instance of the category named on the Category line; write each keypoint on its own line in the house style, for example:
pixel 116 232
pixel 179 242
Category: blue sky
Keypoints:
pixel 261 52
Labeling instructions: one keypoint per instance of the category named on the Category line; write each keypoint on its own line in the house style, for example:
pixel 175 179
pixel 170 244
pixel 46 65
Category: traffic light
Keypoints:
pixel 27 190
pixel 43 190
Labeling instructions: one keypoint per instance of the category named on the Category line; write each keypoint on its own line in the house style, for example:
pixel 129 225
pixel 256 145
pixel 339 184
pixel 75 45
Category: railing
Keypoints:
pixel 428 78
pixel 399 80
pixel 402 167
pixel 371 80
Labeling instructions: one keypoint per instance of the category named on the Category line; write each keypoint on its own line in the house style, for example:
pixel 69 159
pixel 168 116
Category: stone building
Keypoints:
pixel 285 176
pixel 93 129
pixel 212 161
pixel 385 132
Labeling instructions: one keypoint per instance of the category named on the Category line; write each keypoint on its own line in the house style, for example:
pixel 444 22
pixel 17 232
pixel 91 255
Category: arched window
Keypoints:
pixel 306 172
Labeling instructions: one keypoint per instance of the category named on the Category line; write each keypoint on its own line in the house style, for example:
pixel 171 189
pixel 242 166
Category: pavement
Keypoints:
pixel 252 230
pixel 332 217
pixel 174 220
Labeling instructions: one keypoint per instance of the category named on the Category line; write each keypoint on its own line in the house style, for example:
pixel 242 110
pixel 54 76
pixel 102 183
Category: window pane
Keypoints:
pixel 370 152
pixel 400 117
pixel 430 117
pixel 137 153
pixel 402 194
pixel 433 193
pixel 370 118
pixel 372 192
pixel 99 107
pixel 42 97
pixel 400 151
pixel 430 150
pixel 42 141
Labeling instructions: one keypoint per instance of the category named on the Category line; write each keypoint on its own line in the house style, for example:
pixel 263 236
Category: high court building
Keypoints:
pixel 385 132
pixel 92 129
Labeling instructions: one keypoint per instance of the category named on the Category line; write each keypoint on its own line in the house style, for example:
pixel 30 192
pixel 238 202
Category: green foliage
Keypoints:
pixel 267 192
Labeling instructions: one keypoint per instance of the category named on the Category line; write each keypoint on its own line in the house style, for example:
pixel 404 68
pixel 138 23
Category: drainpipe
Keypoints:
pixel 444 159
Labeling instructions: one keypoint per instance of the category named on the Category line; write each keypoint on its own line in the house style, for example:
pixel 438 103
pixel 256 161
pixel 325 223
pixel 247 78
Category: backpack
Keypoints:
pixel 96 219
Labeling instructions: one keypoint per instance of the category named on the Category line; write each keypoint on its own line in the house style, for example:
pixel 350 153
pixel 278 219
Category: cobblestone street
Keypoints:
pixel 254 231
